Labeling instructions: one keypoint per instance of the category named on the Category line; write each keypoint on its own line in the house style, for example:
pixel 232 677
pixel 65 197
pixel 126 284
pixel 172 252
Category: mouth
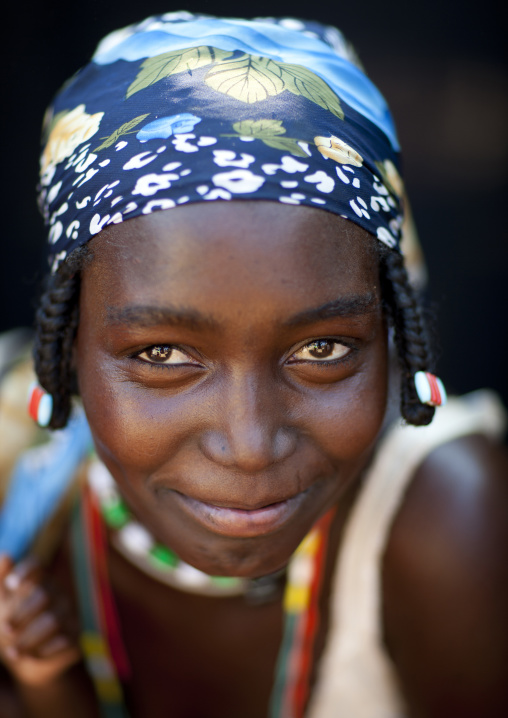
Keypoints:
pixel 240 522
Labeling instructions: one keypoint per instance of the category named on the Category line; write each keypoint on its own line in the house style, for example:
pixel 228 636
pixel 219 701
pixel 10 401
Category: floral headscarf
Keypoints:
pixel 188 108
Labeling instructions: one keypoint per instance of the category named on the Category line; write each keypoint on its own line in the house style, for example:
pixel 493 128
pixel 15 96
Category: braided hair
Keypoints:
pixel 56 325
pixel 58 317
pixel 411 334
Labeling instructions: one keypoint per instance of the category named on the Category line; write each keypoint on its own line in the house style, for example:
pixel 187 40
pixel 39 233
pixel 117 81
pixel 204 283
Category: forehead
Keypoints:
pixel 258 251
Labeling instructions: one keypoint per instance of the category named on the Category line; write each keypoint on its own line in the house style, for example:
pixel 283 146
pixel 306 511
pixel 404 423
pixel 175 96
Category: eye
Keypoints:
pixel 324 350
pixel 165 354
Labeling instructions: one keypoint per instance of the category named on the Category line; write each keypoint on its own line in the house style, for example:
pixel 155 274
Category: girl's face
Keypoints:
pixel 232 361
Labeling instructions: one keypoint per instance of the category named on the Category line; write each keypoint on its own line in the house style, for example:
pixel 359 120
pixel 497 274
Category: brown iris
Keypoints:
pixel 159 353
pixel 321 348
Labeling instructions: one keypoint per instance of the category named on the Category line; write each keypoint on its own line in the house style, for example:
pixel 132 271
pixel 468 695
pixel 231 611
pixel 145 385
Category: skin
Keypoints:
pixel 35 622
pixel 445 583
pixel 246 417
pixel 243 420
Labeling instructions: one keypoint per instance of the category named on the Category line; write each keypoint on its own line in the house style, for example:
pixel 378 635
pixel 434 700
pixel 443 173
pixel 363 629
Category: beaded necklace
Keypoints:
pixel 101 638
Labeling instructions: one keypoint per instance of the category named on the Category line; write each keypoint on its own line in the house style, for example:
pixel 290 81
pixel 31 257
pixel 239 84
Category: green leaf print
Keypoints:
pixel 124 129
pixel 259 128
pixel 170 63
pixel 286 144
pixel 301 81
pixel 269 132
pixel 248 78
pixel 251 78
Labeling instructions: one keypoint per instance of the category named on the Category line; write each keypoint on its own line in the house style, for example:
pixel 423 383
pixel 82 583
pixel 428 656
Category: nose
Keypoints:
pixel 249 431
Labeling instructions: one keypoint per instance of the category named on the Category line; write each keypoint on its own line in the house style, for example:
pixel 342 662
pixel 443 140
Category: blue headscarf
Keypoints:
pixel 186 108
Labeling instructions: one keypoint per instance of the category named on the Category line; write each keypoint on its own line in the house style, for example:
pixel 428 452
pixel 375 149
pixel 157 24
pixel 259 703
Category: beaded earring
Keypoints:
pixel 40 405
pixel 430 389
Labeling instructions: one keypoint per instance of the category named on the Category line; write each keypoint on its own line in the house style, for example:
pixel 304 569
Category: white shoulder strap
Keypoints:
pixel 356 677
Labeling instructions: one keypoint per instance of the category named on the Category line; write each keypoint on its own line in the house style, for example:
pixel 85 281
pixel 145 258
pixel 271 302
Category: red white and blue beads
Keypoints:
pixel 430 389
pixel 40 405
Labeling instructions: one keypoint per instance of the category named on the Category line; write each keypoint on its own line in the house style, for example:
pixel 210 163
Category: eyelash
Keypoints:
pixel 323 364
pixel 136 356
pixel 327 362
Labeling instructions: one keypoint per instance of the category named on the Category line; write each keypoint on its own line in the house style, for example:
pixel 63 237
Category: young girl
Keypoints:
pixel 255 532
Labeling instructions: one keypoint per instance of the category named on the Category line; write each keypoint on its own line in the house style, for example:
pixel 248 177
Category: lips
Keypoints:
pixel 240 522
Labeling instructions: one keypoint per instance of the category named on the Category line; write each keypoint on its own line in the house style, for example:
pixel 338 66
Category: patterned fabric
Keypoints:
pixel 187 108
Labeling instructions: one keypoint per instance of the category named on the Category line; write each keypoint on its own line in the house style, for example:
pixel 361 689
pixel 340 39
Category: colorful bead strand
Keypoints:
pixel 301 610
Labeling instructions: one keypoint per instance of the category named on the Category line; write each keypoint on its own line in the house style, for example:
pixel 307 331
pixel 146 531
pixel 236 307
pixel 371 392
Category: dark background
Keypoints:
pixel 441 66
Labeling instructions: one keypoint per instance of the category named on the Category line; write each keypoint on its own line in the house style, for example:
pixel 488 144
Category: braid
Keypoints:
pixel 411 335
pixel 56 325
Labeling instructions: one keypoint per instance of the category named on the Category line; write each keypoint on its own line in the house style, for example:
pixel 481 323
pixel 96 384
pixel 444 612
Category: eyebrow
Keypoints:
pixel 348 306
pixel 151 316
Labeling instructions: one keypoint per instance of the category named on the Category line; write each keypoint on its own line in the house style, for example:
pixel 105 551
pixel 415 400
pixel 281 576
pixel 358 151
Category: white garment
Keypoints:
pixel 357 678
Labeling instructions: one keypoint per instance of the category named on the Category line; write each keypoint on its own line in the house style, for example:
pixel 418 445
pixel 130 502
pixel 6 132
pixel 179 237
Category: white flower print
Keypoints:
pixel 55 232
pixel 53 192
pixel 359 207
pixel 155 204
pixel 340 174
pixel 171 166
pixel 153 183
pixel 84 161
pixel 107 190
pixel 81 179
pixel 218 193
pixel 130 208
pixel 182 144
pixel 61 210
pixel 384 236
pixel 238 181
pixel 72 229
pixel 140 160
pixel 228 158
pixel 96 223
pixel 116 218
pixel 379 203
pixel 323 182
pixel 289 165
pixel 295 198
pixel 379 188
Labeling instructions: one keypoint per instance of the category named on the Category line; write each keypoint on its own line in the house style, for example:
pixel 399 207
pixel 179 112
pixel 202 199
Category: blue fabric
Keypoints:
pixel 38 482
pixel 184 108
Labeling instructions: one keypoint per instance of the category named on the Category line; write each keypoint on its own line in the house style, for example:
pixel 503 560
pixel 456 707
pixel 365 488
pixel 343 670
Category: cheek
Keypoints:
pixel 133 428
pixel 348 418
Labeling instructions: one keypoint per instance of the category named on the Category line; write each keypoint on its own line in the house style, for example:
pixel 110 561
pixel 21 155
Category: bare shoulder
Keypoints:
pixel 445 583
